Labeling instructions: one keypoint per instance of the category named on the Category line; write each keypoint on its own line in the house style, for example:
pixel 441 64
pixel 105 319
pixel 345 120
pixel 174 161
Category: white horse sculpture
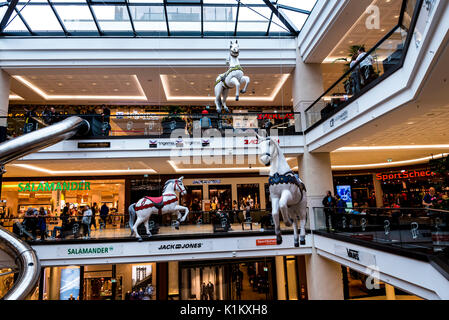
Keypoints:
pixel 287 191
pixel 147 206
pixel 232 78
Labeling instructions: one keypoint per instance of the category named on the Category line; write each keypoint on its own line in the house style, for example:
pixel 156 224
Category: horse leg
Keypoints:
pixel 136 224
pixel 237 88
pixel 275 214
pixel 224 94
pixel 245 80
pixel 218 93
pixel 283 207
pixel 295 231
pixel 302 224
pixel 147 227
pixel 186 212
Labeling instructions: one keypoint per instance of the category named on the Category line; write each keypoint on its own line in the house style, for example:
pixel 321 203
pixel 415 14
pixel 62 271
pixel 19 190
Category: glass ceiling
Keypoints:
pixel 165 18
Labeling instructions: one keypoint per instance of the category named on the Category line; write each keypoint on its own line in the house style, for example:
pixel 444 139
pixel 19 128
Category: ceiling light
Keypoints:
pixel 410 123
pixel 83 97
pixel 403 147
pixel 115 90
pixel 74 172
pixel 106 77
pixel 192 83
pixel 94 83
pixel 60 84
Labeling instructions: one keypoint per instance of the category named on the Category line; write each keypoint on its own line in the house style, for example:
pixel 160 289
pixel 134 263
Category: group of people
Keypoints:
pixel 142 294
pixel 363 73
pixel 35 221
pixel 207 291
pixel 99 119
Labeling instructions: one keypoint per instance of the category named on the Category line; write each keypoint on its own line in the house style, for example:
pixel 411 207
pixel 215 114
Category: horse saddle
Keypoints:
pixel 158 202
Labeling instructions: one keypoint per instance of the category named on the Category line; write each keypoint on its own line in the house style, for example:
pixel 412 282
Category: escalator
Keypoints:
pixel 16 255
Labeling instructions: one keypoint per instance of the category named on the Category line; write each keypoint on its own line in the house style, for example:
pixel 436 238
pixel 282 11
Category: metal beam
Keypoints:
pixel 58 18
pixel 11 7
pixel 283 6
pixel 95 18
pixel 237 18
pixel 202 18
pixel 166 17
pixel 282 17
pixel 269 22
pixel 131 18
pixel 24 21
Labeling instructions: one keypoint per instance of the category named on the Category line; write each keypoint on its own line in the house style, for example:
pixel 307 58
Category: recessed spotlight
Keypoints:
pixel 268 88
pixel 106 77
pixel 192 83
pixel 257 82
pixel 127 83
pixel 94 83
pixel 60 84
pixel 115 90
pixel 174 77
pixel 176 89
pixel 410 123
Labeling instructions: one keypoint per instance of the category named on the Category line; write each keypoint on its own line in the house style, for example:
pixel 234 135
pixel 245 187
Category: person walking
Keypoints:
pixel 42 222
pixel 104 211
pixel 94 212
pixel 86 220
pixel 329 204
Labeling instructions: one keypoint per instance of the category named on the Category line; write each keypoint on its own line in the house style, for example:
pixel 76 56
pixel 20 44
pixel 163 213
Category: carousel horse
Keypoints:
pixel 167 203
pixel 287 191
pixel 232 78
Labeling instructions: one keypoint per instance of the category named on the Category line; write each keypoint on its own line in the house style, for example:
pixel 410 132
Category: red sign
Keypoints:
pixel 266 242
pixel 405 175
pixel 263 116
pixel 256 141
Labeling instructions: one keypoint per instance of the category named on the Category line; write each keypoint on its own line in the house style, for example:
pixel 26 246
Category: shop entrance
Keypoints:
pixel 249 193
pixel 241 280
pixel 193 200
pixel 220 197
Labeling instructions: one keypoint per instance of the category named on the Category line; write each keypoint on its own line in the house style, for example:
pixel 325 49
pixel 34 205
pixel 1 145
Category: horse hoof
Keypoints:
pixel 278 240
pixel 288 224
pixel 236 98
pixel 139 239
pixel 296 244
pixel 303 242
pixel 242 91
pixel 177 227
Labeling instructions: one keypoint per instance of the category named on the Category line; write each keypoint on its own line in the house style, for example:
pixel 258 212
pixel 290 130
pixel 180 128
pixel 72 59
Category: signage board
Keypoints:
pixel 363 257
pixel 82 251
pixel 345 194
pixel 186 246
pixel 404 174
pixel 46 186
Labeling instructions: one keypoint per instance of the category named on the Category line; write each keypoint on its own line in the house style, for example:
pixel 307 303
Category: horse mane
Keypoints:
pixel 167 183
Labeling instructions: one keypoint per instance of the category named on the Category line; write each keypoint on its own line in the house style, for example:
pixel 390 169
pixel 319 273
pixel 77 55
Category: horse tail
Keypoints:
pixel 132 215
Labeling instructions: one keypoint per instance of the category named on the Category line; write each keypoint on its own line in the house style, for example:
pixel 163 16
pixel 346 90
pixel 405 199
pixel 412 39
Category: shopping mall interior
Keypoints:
pixel 109 109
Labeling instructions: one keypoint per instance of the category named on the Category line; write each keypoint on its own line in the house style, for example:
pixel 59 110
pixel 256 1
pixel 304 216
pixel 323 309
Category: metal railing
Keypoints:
pixel 378 63
pixel 162 125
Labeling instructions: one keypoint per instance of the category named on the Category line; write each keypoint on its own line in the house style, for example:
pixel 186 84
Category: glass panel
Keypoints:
pixel 146 1
pixel 298 19
pixel 3 11
pixel 250 21
pixel 112 18
pixel 148 18
pixel 39 17
pixel 408 13
pixel 385 58
pixel 277 25
pixel 16 24
pixel 219 19
pixel 76 17
pixel 184 18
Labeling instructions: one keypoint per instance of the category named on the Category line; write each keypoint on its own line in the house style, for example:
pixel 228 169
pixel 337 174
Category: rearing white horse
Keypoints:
pixel 287 191
pixel 147 206
pixel 232 78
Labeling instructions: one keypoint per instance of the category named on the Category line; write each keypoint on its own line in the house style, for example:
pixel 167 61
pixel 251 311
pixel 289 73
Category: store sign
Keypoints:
pixel 53 186
pixel 153 143
pixel 357 255
pixel 405 175
pixel 206 181
pixel 266 242
pixel 180 246
pixel 275 116
pixel 90 251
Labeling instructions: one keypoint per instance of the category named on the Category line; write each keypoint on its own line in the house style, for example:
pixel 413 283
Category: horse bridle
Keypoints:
pixel 179 187
pixel 268 153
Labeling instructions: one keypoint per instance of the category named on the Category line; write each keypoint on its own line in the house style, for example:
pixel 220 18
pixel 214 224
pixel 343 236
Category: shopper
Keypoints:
pixel 50 116
pixel 205 122
pixel 105 117
pixel 104 211
pixel 94 212
pixel 355 75
pixel 430 198
pixel 86 220
pixel 30 121
pixel 341 205
pixel 42 223
pixel 248 211
pixel 30 221
pixel 366 66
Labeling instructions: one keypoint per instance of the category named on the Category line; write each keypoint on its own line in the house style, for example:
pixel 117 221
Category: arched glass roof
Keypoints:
pixel 154 18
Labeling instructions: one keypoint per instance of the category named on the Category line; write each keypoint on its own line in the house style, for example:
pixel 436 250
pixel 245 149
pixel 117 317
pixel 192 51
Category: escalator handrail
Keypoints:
pixel 28 263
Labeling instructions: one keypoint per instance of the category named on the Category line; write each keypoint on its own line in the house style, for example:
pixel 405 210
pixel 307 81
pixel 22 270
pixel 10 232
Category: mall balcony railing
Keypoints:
pixel 163 125
pixel 198 223
pixel 410 231
pixel 381 61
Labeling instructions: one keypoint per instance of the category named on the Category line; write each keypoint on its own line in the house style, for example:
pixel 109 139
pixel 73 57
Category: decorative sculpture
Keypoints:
pixel 287 191
pixel 232 78
pixel 166 203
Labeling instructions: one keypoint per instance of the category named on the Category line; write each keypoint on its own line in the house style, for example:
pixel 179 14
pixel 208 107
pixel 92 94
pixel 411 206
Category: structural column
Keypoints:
pixel 378 192
pixel 324 278
pixel 5 83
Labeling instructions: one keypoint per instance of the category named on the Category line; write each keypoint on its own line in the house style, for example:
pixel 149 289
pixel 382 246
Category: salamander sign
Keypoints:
pixel 53 186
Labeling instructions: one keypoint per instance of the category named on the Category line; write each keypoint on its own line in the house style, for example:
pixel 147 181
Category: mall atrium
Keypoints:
pixel 224 150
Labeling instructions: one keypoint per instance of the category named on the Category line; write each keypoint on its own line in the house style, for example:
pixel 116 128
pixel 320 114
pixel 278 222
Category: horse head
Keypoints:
pixel 179 186
pixel 235 50
pixel 267 149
